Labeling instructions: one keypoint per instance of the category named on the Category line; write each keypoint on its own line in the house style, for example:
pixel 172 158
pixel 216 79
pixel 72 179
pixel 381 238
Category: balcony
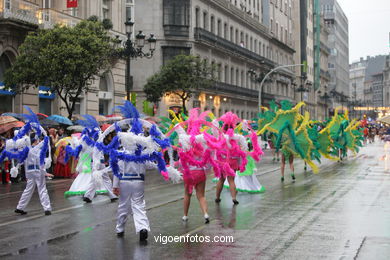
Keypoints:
pixel 22 11
pixel 202 35
pixel 233 90
pixel 19 11
pixel 47 18
pixel 325 74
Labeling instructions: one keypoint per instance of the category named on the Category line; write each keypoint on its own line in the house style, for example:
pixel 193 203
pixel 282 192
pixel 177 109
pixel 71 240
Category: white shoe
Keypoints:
pixel 206 218
pixel 184 218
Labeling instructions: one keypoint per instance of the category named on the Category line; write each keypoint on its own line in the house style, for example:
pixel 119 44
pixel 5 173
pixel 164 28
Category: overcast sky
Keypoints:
pixel 369 27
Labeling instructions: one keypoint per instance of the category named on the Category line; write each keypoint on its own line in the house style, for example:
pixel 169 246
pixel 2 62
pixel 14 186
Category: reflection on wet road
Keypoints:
pixel 341 213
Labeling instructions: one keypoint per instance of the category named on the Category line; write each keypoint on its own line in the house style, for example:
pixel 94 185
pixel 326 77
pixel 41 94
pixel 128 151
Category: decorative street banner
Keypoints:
pixel 71 3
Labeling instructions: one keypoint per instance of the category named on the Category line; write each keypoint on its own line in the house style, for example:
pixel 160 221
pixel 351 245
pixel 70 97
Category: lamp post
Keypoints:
pixel 325 97
pixel 303 87
pixel 256 77
pixel 133 50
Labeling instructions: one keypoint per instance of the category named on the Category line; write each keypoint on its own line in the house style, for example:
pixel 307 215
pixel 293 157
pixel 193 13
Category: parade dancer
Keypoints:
pixel 236 144
pixel 85 183
pixel 196 156
pixel 30 147
pixel 131 154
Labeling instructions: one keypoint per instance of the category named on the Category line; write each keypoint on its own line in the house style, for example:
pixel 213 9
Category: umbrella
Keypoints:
pixel 153 119
pixel 64 141
pixel 48 123
pixel 41 116
pixel 104 127
pixel 6 127
pixel 114 118
pixel 385 120
pixel 17 116
pixel 101 119
pixel 7 119
pixel 60 119
pixel 77 128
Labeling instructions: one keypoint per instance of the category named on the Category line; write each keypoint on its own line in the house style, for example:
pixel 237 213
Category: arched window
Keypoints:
pixel 106 93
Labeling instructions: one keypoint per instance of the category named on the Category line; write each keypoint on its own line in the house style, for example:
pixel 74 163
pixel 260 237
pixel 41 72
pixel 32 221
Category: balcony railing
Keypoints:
pixel 325 74
pixel 19 10
pixel 219 42
pixel 233 89
pixel 50 17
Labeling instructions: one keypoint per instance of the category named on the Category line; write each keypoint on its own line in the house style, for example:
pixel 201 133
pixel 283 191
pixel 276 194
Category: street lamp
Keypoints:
pixel 257 78
pixel 303 87
pixel 134 50
pixel 325 97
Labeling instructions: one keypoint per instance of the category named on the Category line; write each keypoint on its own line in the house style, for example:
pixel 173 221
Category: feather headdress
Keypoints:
pixel 128 110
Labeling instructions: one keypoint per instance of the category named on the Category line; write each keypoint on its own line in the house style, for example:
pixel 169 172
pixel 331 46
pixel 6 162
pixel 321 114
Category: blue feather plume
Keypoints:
pixel 128 110
pixel 89 122
pixel 32 118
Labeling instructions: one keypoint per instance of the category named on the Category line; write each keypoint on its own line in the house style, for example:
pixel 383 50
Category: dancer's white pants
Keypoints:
pixel 33 180
pixel 107 183
pixel 131 201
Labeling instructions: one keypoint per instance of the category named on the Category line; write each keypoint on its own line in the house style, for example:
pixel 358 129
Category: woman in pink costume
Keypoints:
pixel 237 147
pixel 195 157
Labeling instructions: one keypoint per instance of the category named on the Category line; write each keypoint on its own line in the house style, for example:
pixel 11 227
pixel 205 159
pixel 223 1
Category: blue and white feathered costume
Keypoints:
pixel 36 159
pixel 82 149
pixel 131 153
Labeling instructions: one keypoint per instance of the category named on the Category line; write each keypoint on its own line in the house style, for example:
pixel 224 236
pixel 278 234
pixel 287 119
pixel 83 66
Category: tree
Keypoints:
pixel 182 76
pixel 65 59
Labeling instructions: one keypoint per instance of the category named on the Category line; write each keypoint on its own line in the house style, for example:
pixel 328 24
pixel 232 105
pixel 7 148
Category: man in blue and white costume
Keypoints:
pixel 30 147
pixel 131 154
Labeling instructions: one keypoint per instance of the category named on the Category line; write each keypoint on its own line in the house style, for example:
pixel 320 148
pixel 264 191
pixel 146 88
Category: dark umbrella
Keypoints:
pixel 48 123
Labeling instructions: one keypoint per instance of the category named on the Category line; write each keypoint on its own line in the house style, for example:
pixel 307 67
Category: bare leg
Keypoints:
pixel 219 189
pixel 200 190
pixel 232 187
pixel 282 165
pixel 186 201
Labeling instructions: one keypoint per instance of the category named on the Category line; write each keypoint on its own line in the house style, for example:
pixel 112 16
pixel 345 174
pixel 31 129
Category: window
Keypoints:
pixel 106 9
pixel 225 30
pixel 281 33
pixel 242 79
pixel 255 46
pixel 232 76
pixel 272 26
pixel 231 34
pixel 169 52
pixel 219 28
pixel 197 17
pixel 237 77
pixel 277 30
pixel 129 10
pixel 226 74
pixel 212 24
pixel 176 12
pixel 205 21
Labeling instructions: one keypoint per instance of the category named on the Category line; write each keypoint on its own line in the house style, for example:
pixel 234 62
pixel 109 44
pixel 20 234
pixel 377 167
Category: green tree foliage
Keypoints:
pixel 182 76
pixel 66 59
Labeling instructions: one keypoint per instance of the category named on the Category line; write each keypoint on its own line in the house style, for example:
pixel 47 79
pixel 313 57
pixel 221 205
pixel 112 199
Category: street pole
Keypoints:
pixel 269 73
pixel 128 83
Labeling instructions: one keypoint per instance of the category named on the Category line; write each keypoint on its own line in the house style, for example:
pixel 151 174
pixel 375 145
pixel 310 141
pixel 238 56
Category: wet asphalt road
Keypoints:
pixel 341 213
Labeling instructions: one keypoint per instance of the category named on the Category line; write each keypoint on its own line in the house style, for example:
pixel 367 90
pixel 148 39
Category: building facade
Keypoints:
pixel 338 66
pixel 357 72
pixel 236 36
pixel 18 17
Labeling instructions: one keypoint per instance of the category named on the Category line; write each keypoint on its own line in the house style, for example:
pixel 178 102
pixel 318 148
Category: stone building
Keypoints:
pixel 18 17
pixel 337 23
pixel 235 35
